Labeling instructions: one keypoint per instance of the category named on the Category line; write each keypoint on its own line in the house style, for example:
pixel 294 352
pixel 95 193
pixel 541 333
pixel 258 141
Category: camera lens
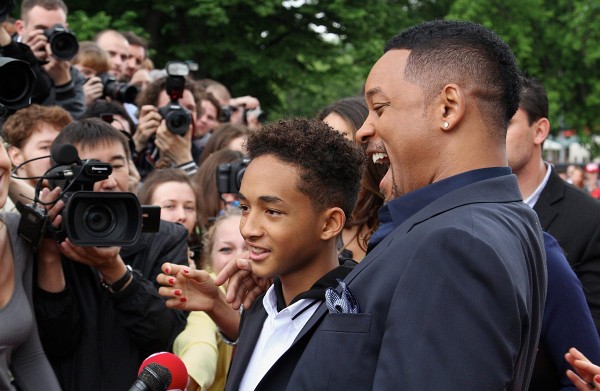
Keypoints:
pixel 18 83
pixel 62 42
pixel 99 219
pixel 178 119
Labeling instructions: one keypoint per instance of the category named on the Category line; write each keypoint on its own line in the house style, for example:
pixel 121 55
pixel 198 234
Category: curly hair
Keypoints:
pixel 354 111
pixel 19 127
pixel 330 166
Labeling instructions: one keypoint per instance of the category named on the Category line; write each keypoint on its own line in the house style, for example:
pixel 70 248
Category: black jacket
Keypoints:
pixel 96 340
pixel 573 218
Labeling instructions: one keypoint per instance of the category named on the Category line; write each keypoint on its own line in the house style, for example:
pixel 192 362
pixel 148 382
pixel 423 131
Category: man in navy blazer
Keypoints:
pixel 451 294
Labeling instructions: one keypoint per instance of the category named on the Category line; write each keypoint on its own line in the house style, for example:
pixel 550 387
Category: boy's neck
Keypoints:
pixel 301 280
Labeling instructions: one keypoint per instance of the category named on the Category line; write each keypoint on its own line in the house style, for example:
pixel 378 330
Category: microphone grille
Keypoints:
pixel 156 377
pixel 64 154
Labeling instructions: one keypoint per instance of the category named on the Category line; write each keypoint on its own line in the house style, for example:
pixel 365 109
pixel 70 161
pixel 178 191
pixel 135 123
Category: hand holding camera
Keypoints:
pixel 148 124
pixel 105 259
pixel 174 147
pixel 37 42
pixel 93 89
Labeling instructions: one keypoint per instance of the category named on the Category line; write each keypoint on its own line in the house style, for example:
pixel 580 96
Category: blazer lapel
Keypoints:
pixel 249 333
pixel 552 193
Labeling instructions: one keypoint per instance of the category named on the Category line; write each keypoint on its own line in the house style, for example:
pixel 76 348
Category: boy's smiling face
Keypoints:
pixel 279 223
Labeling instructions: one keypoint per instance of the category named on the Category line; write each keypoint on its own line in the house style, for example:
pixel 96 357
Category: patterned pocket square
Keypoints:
pixel 341 303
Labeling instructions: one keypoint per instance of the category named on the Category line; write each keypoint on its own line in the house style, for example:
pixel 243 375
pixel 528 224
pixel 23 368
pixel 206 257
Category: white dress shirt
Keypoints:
pixel 278 332
pixel 535 196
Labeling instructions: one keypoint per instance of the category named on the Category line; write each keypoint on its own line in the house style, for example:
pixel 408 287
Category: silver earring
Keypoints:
pixel 446 124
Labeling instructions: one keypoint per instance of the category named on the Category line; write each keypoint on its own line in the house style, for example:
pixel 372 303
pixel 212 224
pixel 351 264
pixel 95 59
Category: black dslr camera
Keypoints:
pixel 178 117
pixel 88 218
pixel 229 176
pixel 122 92
pixel 227 110
pixel 62 42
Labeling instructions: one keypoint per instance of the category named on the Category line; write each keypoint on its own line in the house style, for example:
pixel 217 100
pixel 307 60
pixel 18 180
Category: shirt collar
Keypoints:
pixel 535 196
pixel 398 210
pixel 317 291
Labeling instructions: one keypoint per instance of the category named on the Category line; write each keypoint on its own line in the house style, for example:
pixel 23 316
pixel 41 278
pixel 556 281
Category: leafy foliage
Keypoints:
pixel 297 56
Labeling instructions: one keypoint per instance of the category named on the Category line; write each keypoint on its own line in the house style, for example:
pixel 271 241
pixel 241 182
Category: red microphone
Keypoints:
pixel 179 375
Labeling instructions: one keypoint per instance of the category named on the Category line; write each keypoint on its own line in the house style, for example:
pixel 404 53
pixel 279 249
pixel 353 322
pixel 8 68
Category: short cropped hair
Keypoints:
pixel 466 53
pixel 534 100
pixel 330 166
pixel 18 127
pixel 135 39
pixel 27 5
pixel 92 133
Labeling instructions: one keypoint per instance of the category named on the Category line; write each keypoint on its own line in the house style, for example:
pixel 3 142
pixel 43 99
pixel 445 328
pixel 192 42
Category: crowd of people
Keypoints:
pixel 415 232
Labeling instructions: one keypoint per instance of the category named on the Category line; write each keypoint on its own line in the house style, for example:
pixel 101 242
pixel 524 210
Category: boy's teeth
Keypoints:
pixel 379 156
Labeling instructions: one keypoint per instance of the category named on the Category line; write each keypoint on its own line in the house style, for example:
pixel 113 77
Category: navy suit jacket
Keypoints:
pixel 452 299
pixel 573 218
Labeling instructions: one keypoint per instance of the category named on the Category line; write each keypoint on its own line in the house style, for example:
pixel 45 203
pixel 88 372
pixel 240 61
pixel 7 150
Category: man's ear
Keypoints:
pixel 452 106
pixel 15 155
pixel 334 220
pixel 19 26
pixel 542 129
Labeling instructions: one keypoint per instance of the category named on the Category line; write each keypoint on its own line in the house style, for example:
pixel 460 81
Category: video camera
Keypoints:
pixel 88 218
pixel 18 82
pixel 229 176
pixel 178 117
pixel 62 42
pixel 122 92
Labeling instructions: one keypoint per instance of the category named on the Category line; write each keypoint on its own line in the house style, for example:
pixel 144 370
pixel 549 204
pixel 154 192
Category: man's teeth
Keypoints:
pixel 379 156
pixel 257 250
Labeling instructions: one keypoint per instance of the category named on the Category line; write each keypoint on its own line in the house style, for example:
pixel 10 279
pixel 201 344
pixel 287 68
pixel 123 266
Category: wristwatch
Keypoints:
pixel 118 285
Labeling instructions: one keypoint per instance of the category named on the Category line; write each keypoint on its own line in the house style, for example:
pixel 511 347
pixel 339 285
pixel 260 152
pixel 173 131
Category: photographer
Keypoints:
pixel 98 308
pixel 156 145
pixel 241 110
pixel 58 83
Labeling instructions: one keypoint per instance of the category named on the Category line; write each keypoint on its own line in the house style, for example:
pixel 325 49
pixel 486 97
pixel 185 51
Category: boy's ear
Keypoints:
pixel 334 220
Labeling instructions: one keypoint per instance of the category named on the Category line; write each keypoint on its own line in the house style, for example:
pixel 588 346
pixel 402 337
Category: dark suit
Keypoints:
pixel 573 218
pixel 452 299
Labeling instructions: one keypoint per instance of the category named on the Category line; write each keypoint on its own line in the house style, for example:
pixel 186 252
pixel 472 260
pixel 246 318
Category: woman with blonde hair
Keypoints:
pixel 205 354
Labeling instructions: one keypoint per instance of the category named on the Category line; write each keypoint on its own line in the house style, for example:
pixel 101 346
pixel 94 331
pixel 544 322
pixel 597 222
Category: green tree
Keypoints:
pixel 556 42
pixel 298 56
